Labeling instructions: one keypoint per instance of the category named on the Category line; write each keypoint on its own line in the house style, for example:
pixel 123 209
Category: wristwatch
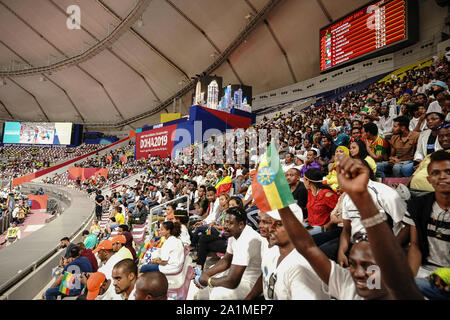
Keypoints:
pixel 380 217
pixel 209 282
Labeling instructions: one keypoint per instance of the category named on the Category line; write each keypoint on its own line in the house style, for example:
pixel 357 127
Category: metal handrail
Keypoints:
pixel 150 215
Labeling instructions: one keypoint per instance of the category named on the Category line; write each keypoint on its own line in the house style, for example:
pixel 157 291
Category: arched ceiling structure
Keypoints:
pixel 156 48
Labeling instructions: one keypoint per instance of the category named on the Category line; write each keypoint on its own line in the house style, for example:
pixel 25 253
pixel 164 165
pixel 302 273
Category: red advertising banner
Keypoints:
pixel 38 202
pixel 86 173
pixel 156 142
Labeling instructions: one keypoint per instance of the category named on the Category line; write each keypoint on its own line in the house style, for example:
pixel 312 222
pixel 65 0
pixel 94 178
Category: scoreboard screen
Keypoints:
pixel 377 26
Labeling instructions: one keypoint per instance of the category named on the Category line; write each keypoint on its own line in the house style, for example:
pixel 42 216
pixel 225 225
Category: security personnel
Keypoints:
pixel 13 233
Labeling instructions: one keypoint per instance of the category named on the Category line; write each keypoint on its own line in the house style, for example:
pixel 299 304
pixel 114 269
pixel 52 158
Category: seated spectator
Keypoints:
pixel 403 147
pixel 428 141
pixel 376 146
pixel 117 220
pixel 242 260
pixel 107 257
pixel 356 135
pixel 151 286
pixel 288 161
pixel 327 152
pixel 385 198
pixel 124 275
pixel 298 189
pixel 77 265
pixel 171 256
pixel 437 285
pixel 428 221
pixel 90 239
pixel 100 288
pixel 89 255
pixel 215 240
pixel 385 122
pixel 358 150
pixel 331 178
pixel 321 201
pixel 138 215
pixel 418 123
pixel 310 162
pixel 338 139
pixel 95 226
pixel 119 248
pixel 395 281
pixel 286 275
pixel 65 243
pixel 419 179
pixel 182 217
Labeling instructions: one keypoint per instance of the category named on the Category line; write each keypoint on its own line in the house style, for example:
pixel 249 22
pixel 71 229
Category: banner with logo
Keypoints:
pixel 156 142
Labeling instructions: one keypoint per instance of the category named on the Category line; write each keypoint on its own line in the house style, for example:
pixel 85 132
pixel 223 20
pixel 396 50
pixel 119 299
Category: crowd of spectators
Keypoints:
pixel 369 173
pixel 17 161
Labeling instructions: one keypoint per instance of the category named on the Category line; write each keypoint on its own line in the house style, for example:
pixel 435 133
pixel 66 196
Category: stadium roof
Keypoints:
pixel 132 57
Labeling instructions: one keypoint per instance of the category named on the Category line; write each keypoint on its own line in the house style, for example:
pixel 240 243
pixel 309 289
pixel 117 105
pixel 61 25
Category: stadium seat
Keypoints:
pixel 179 282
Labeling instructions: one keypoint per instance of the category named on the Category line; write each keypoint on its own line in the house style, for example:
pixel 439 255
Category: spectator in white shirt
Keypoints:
pixel 124 276
pixel 385 122
pixel 379 268
pixel 242 260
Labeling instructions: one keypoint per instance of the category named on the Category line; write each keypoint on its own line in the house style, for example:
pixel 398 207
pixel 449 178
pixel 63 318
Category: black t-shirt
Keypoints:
pixel 99 199
pixel 300 195
pixel 327 154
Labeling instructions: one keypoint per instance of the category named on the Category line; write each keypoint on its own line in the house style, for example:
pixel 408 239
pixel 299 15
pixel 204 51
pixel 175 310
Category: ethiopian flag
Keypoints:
pixel 67 283
pixel 223 186
pixel 269 186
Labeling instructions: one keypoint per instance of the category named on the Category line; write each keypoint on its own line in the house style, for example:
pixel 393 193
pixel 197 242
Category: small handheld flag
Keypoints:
pixel 270 188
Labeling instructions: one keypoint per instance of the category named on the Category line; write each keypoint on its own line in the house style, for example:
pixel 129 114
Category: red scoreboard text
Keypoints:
pixel 371 28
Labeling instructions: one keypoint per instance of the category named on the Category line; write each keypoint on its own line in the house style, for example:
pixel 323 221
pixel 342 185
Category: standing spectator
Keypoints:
pixel 99 202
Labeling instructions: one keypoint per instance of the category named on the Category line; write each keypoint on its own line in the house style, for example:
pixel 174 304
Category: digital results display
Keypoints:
pixel 37 133
pixel 376 26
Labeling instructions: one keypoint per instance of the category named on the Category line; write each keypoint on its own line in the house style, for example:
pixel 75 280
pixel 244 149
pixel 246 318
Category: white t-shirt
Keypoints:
pixel 108 267
pixel 172 251
pixel 439 248
pixel 184 236
pixel 213 213
pixel 246 251
pixel 340 284
pixel 110 294
pixel 384 198
pixel 292 279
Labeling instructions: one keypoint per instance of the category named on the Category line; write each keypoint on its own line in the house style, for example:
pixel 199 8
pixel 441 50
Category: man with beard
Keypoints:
pixel 124 275
pixel 298 189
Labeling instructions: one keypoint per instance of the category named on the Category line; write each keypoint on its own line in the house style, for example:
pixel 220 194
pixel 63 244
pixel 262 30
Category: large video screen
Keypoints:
pixel 37 132
pixel 377 26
